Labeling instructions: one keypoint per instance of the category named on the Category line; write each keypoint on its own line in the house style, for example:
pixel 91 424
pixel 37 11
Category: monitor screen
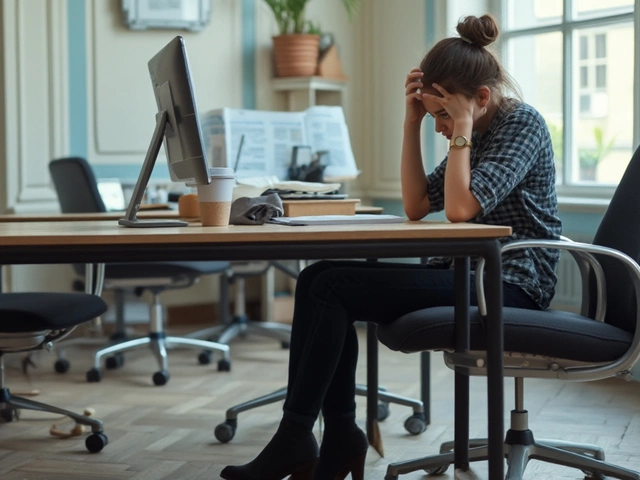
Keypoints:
pixel 173 89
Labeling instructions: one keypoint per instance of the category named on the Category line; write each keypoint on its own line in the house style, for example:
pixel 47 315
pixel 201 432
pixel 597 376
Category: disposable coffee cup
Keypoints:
pixel 215 198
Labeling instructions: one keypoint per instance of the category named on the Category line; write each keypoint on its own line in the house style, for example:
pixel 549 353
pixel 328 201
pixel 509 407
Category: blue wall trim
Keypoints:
pixel 77 44
pixel 248 54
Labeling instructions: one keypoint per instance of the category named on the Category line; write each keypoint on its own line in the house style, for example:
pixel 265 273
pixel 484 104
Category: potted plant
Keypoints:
pixel 589 158
pixel 296 47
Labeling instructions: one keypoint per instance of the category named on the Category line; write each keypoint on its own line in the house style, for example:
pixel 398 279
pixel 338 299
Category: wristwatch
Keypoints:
pixel 460 142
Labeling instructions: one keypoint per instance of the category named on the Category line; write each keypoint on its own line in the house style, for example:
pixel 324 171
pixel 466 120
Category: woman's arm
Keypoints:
pixel 415 193
pixel 412 176
pixel 460 204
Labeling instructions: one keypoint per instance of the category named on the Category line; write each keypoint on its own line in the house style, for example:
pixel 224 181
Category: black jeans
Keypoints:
pixel 330 297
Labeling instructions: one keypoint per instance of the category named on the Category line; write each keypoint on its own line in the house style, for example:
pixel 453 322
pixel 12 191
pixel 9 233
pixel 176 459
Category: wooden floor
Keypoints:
pixel 167 432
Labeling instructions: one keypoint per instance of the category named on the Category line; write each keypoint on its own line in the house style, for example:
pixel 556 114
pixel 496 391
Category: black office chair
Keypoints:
pixel 602 341
pixel 77 191
pixel 33 321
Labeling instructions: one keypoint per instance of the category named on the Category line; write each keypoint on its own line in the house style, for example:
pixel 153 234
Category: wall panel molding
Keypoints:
pixel 36 100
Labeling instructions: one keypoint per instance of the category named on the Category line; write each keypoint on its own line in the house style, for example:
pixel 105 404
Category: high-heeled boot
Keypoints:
pixel 293 451
pixel 343 451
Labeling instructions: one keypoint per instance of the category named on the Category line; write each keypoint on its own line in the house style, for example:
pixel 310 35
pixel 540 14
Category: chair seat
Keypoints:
pixel 552 333
pixel 162 269
pixel 34 312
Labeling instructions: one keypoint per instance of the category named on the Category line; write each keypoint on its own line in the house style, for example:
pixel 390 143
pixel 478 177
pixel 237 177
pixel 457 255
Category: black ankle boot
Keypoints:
pixel 293 451
pixel 344 449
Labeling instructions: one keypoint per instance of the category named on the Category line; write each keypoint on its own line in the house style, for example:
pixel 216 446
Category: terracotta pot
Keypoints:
pixel 296 55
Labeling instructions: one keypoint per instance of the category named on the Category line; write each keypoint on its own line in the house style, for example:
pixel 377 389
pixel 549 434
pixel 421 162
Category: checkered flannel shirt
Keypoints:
pixel 513 178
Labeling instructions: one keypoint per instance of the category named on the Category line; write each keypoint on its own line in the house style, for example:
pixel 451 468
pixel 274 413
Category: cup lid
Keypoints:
pixel 220 171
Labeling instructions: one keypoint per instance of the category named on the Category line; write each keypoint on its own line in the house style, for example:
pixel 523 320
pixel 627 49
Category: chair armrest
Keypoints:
pixel 585 251
pixel 585 260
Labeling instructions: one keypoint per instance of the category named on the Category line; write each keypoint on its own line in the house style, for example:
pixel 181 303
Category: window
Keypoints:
pixel 574 61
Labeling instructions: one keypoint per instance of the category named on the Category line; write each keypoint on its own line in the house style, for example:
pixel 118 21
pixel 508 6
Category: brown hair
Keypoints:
pixel 463 64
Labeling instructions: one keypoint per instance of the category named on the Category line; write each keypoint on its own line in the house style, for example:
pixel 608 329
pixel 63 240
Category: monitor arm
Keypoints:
pixel 165 120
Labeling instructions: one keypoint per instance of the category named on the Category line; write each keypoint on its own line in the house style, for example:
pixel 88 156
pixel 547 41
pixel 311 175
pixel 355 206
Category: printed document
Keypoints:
pixel 259 142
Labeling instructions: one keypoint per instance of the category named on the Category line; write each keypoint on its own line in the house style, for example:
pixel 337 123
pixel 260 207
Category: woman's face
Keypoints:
pixel 444 123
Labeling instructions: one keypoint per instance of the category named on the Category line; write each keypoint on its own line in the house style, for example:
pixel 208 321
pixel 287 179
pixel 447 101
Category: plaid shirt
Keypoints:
pixel 513 178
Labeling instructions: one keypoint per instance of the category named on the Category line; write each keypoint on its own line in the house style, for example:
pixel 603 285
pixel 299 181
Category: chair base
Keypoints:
pixel 94 442
pixel 415 424
pixel 519 448
pixel 241 326
pixel 159 343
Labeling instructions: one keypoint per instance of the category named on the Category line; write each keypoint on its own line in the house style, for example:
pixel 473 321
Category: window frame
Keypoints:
pixel 566 26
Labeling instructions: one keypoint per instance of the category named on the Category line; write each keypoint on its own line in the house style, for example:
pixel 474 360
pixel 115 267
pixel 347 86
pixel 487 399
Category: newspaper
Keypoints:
pixel 258 142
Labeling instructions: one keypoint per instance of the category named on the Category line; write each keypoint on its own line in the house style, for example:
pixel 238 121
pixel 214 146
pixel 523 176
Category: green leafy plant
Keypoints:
pixel 290 15
pixel 591 157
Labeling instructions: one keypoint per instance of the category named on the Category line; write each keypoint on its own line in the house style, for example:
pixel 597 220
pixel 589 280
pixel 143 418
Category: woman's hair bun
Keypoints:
pixel 479 31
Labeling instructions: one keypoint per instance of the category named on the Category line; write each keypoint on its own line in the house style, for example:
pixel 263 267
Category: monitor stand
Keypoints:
pixel 130 220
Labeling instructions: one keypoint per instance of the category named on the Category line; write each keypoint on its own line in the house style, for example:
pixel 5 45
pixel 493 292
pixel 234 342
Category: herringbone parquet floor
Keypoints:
pixel 167 432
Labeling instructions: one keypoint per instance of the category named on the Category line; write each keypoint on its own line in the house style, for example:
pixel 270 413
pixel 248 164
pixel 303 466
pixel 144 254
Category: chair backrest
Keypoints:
pixel 620 229
pixel 76 186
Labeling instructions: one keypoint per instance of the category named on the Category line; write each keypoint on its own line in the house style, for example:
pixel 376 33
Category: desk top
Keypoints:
pixel 109 233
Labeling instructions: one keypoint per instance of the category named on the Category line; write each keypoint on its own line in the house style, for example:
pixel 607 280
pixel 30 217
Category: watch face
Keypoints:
pixel 460 141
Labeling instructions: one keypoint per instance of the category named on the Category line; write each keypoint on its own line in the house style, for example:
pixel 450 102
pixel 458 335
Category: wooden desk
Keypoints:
pixel 103 242
pixel 144 214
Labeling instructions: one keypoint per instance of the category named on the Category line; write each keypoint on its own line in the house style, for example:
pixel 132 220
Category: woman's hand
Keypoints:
pixel 459 107
pixel 415 110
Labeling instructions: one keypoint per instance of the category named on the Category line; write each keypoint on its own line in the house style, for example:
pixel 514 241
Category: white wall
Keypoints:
pixel 121 105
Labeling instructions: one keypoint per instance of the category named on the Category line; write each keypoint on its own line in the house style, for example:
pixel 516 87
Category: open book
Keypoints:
pixel 260 143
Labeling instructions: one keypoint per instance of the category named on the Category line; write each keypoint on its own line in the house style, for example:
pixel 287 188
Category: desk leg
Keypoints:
pixel 372 383
pixel 461 432
pixel 495 360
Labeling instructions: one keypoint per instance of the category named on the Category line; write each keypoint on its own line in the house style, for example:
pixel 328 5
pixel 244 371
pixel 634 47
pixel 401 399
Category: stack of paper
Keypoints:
pixel 254 186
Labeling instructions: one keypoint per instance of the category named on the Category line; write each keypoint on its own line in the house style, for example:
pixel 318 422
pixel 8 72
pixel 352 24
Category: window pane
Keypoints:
pixel 584 77
pixel 532 13
pixel 592 8
pixel 584 48
pixel 601 76
pixel 535 62
pixel 601 45
pixel 603 129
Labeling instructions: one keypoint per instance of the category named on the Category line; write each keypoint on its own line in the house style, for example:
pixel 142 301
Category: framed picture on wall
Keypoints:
pixel 173 14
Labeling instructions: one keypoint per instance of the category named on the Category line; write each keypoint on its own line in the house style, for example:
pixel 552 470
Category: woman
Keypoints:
pixel 499 170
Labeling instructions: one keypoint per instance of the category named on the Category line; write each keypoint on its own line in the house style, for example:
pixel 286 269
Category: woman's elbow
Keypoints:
pixel 457 215
pixel 414 214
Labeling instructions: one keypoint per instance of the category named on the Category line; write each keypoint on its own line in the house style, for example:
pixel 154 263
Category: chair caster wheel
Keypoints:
pixel 205 357
pixel 390 477
pixel 415 424
pixel 441 470
pixel 161 378
pixel 115 361
pixel 96 442
pixel 382 412
pixel 8 414
pixel 224 365
pixel 593 476
pixel 285 345
pixel 94 375
pixel 226 431
pixel 62 365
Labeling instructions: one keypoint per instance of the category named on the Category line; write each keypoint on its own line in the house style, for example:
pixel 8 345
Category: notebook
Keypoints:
pixel 337 219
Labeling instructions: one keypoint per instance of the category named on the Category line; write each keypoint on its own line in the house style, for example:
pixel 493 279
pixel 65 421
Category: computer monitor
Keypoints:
pixel 178 124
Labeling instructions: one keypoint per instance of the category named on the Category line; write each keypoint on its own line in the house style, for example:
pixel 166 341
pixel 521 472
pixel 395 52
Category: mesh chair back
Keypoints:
pixel 76 186
pixel 620 229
